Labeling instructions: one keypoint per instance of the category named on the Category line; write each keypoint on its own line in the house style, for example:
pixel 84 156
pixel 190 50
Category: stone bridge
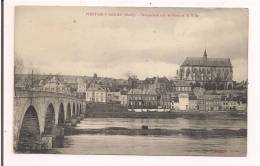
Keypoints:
pixel 39 113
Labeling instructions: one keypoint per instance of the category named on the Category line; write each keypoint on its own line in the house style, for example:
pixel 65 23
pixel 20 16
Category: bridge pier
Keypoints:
pixel 53 140
pixel 59 137
pixel 75 120
pixel 78 119
pixel 82 116
pixel 68 123
pixel 47 142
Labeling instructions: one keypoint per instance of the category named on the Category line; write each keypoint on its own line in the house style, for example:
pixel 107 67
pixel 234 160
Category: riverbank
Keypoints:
pixel 193 133
pixel 200 115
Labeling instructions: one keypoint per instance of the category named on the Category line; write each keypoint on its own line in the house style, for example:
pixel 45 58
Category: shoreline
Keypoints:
pixel 200 115
pixel 192 133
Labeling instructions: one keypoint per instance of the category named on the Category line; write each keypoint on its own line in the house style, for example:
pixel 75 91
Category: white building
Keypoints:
pixel 182 103
pixel 95 93
pixel 123 98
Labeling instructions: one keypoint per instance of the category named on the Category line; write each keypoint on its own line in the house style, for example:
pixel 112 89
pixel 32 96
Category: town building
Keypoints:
pixel 201 103
pixel 54 85
pixel 69 81
pixel 211 73
pixel 81 85
pixel 174 103
pixel 162 86
pixel 229 105
pixel 193 102
pixel 142 99
pixel 164 99
pixel 95 93
pixel 181 102
pixel 123 98
pixel 117 96
pixel 182 86
pixel 212 102
pixel 113 97
pixel 241 106
pixel 230 102
pixel 157 83
pixel 209 101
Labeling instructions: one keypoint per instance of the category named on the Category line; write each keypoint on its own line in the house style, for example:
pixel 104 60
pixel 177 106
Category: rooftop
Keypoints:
pixel 181 83
pixel 95 87
pixel 143 91
pixel 207 62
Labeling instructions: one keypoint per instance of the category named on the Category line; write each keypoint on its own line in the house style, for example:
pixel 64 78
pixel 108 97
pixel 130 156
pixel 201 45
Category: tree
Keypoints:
pixel 18 65
pixel 132 80
pixel 95 75
pixel 18 69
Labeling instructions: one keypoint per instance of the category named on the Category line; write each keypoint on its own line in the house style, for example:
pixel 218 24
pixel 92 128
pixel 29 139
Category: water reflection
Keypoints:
pixel 147 145
pixel 156 145
pixel 178 123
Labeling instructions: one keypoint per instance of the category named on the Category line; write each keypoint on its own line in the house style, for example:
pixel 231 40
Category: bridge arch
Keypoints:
pixel 68 116
pixel 73 110
pixel 61 115
pixel 77 112
pixel 49 120
pixel 29 136
pixel 80 111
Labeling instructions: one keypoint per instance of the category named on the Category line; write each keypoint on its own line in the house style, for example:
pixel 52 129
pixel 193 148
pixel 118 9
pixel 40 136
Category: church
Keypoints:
pixel 210 73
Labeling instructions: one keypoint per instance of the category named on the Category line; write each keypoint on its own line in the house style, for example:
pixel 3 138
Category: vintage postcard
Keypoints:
pixel 130 81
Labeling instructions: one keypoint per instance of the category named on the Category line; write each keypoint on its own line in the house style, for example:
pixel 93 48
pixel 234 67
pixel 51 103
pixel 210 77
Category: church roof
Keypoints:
pixel 207 62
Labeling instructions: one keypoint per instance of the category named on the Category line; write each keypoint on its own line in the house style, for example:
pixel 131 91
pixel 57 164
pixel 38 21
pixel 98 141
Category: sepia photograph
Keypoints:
pixel 164 81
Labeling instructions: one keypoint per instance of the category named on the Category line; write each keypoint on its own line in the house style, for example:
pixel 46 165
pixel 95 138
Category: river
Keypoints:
pixel 156 145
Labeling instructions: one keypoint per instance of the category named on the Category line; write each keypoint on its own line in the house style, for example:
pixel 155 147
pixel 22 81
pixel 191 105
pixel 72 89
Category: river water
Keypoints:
pixel 156 145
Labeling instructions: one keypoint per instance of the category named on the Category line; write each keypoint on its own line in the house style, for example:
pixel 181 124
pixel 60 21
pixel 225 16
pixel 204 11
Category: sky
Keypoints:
pixel 116 42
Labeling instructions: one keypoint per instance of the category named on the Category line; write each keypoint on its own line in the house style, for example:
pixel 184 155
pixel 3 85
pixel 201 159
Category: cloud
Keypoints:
pixel 65 40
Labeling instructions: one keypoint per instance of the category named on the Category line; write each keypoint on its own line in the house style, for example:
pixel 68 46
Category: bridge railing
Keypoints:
pixel 41 93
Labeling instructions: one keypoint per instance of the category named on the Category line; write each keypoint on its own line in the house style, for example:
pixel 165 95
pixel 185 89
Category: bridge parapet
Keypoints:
pixel 40 93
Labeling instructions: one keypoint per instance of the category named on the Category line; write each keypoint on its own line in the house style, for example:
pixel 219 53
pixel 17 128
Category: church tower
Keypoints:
pixel 205 54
